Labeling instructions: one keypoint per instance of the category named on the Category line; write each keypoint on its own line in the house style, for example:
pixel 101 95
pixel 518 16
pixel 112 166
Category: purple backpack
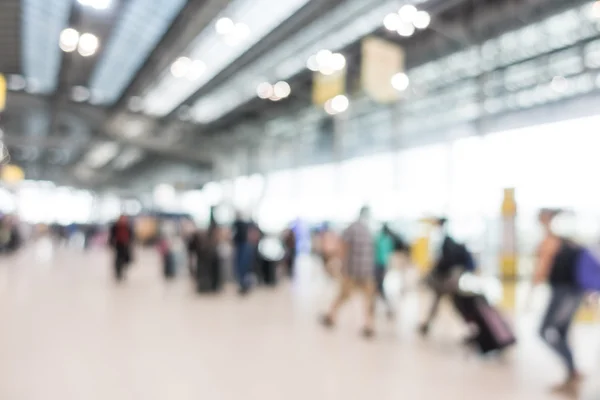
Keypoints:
pixel 588 270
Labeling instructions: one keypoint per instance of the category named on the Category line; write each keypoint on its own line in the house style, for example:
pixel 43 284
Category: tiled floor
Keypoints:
pixel 68 332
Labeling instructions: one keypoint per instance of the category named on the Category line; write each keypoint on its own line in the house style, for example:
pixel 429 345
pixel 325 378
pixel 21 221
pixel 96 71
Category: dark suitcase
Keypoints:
pixel 169 265
pixel 492 331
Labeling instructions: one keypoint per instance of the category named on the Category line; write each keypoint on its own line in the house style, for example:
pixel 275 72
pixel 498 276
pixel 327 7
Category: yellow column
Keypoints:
pixel 420 248
pixel 2 92
pixel 509 254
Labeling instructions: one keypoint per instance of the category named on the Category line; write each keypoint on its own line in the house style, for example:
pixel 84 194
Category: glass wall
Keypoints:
pixel 549 165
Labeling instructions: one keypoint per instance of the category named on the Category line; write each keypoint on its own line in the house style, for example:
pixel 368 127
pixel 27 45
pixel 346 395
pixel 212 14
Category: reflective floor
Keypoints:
pixel 68 332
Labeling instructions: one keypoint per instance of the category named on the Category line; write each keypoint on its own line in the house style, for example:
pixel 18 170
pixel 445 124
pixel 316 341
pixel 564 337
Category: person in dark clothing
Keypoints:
pixel 289 243
pixel 556 264
pixel 243 253
pixel 121 240
pixel 449 255
pixel 204 262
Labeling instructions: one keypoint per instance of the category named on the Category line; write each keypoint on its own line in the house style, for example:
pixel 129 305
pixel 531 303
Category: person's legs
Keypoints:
pixel 240 271
pixel 369 288
pixel 345 289
pixel 380 273
pixel 432 312
pixel 562 308
pixel 119 265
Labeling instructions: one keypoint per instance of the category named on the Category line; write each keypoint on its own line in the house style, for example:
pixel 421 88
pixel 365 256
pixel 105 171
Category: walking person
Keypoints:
pixel 451 258
pixel 121 240
pixel 384 249
pixel 358 272
pixel 243 253
pixel 556 264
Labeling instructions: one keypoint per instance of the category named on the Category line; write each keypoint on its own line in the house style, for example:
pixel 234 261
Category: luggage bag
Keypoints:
pixel 493 333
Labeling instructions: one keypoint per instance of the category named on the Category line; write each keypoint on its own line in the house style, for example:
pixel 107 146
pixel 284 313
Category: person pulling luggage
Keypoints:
pixel 452 258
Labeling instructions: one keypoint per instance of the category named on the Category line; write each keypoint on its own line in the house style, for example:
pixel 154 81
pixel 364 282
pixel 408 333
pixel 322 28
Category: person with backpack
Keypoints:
pixel 451 259
pixel 557 260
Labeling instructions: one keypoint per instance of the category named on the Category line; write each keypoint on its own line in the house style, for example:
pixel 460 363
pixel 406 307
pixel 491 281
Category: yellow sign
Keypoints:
pixel 12 173
pixel 326 87
pixel 2 92
pixel 381 60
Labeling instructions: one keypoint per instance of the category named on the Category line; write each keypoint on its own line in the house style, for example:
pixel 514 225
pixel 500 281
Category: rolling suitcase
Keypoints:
pixel 492 331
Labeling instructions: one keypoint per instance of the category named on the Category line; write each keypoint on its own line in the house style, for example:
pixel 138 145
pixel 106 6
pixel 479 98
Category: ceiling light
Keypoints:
pixel 80 94
pixel 68 40
pixel 407 13
pixel 323 57
pixel 406 30
pixel 196 69
pixel 282 89
pixel 421 20
pixel 337 61
pixel 88 44
pixel 264 90
pixel 391 21
pixel 312 63
pixel 274 98
pixel 224 26
pixel 181 67
pixel 328 108
pixel 241 31
pixel 400 81
pixel 340 103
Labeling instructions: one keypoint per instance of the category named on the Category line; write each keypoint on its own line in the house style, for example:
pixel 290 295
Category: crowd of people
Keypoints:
pixel 241 252
pixel 359 260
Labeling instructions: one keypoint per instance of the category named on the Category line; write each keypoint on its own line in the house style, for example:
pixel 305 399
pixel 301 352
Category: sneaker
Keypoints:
pixel 368 333
pixel 326 321
pixel 570 389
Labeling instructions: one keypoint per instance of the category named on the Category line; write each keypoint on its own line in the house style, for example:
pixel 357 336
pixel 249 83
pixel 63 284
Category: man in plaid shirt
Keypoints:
pixel 358 271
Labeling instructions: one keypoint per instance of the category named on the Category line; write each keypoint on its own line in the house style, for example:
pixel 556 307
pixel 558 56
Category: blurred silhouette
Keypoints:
pixel 358 271
pixel 121 240
pixel 556 264
pixel 451 260
pixel 384 248
pixel 204 261
pixel 244 255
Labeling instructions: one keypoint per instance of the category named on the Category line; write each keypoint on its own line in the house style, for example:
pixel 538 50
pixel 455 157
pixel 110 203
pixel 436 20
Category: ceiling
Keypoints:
pixel 120 119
